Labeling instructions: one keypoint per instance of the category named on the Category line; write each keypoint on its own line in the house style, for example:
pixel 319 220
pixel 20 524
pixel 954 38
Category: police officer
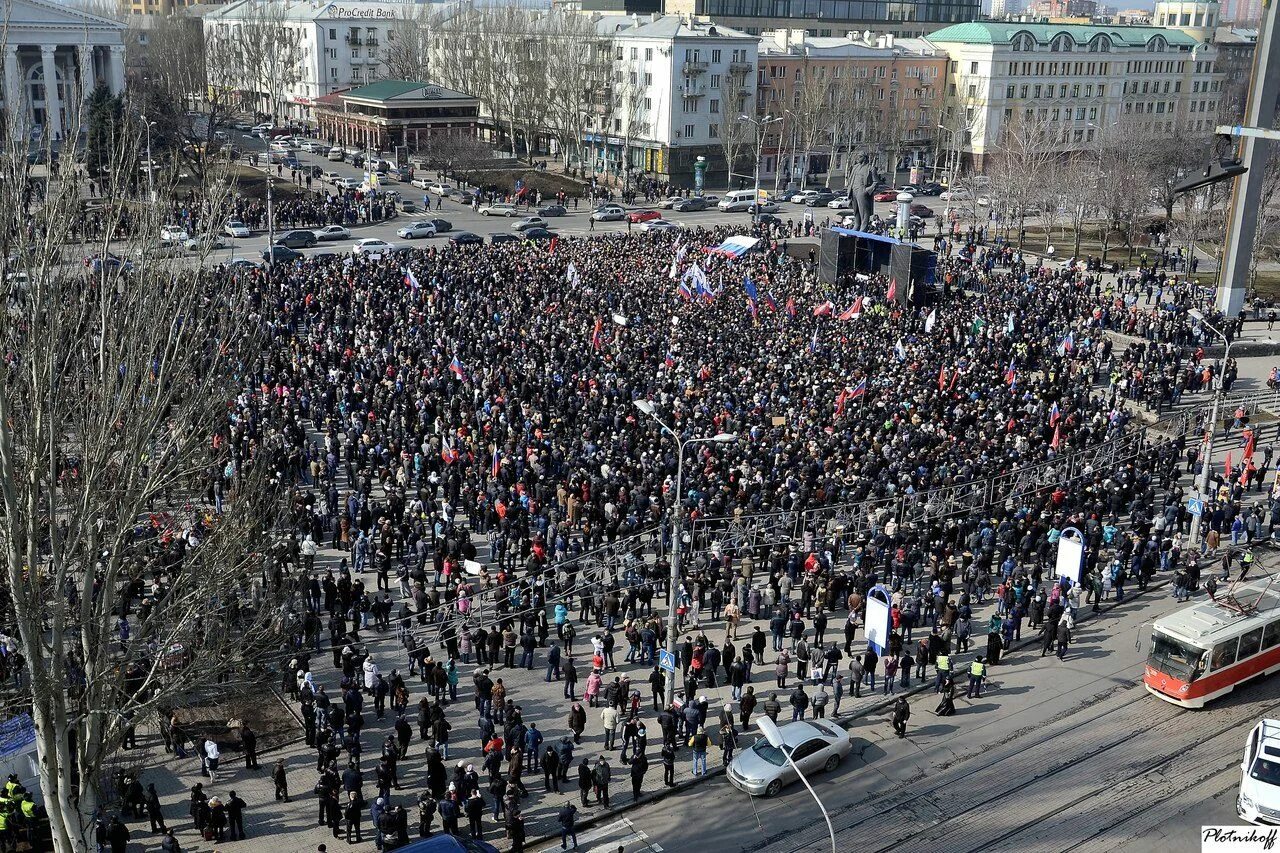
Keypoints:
pixel 944 670
pixel 977 670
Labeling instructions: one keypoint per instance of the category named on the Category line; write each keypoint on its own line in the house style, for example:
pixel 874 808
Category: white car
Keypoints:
pixel 209 241
pixel 527 222
pixel 802 197
pixel 984 201
pixel 838 202
pixel 659 225
pixel 440 188
pixel 1259 798
pixel 347 184
pixel 421 183
pixel 609 213
pixel 330 177
pixel 235 228
pixel 417 229
pixel 498 210
pixel 813 745
pixel 332 232
pixel 371 246
pixel 957 194
pixel 174 234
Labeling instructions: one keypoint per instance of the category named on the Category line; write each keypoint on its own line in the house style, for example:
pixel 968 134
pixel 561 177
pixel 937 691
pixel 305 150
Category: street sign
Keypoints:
pixel 666 660
pixel 1195 506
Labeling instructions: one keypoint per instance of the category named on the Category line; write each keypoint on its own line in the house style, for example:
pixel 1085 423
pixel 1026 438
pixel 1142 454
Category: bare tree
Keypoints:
pixel 407 54
pixel 270 53
pixel 1021 167
pixel 811 101
pixel 853 119
pixel 630 109
pixel 579 73
pixel 113 412
pixel 737 138
pixel 1123 181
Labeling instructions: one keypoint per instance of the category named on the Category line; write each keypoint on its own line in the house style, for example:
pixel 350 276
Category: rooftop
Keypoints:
pixel 1209 617
pixel 1003 32
pixel 402 90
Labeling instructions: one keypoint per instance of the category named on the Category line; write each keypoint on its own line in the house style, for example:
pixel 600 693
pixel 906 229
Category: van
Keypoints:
pixel 1259 799
pixel 336 154
pixel 736 201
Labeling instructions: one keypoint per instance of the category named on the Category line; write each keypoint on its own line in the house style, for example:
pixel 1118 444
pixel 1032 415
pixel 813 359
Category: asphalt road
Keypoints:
pixel 1056 755
pixel 463 218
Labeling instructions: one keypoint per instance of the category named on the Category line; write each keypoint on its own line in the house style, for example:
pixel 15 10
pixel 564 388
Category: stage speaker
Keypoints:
pixel 837 257
pixel 915 271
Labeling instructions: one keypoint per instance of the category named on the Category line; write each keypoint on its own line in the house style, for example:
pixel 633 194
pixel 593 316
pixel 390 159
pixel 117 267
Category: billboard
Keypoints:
pixel 879 623
pixel 1070 556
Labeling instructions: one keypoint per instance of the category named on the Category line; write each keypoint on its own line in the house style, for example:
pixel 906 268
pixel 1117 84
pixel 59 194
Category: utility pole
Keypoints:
pixel 1260 113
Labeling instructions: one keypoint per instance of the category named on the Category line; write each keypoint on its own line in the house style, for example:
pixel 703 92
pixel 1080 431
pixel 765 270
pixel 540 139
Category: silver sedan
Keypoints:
pixel 813 745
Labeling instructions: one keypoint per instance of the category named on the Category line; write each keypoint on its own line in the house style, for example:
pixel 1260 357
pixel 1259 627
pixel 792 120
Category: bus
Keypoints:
pixel 1205 651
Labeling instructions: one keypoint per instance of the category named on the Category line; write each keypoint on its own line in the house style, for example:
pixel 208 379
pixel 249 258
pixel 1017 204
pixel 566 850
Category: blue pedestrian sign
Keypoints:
pixel 1195 506
pixel 666 660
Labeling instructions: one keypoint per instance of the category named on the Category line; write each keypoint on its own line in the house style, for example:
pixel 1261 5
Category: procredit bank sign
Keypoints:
pixel 364 13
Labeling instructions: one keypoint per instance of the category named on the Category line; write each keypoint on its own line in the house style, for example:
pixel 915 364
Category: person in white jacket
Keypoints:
pixel 370 674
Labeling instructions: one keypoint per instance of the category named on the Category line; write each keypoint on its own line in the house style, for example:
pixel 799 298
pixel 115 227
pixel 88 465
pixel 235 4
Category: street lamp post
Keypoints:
pixel 760 126
pixel 271 230
pixel 952 174
pixel 769 729
pixel 151 167
pixel 721 438
pixel 1202 483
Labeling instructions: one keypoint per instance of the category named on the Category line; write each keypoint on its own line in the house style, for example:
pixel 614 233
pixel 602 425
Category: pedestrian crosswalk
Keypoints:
pixel 610 838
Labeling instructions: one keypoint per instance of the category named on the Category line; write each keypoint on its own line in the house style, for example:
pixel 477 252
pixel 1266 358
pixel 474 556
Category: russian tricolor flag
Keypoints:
pixel 410 280
pixel 456 368
pixel 1055 414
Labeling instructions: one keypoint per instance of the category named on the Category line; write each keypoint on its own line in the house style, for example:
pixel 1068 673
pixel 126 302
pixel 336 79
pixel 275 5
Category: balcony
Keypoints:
pixel 692 68
pixel 693 91
pixel 740 66
pixel 355 41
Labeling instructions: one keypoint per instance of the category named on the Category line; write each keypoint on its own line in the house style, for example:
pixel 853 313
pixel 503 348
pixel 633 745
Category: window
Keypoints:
pixel 807 749
pixel 635 53
pixel 714 106
pixel 973 92
pixel 1062 90
pixel 1075 90
pixel 333 74
pixel 648 79
pixel 1061 44
pixel 1088 90
pixel 1093 113
pixel 634 79
pixel 715 56
pixel 1022 91
pixel 1008 91
pixel 1080 114
pixel 355 53
pixel 648 54
pixel 617 124
pixel 1224 654
pixel 714 131
pixel 688 131
pixel 333 35
pixel 648 103
pixel 1271 635
pixel 1037 92
pixel 1023 42
pixel 1250 643
pixel 973 68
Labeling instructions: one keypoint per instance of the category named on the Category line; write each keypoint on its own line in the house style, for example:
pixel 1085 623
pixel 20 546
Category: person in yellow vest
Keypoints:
pixel 1246 563
pixel 27 807
pixel 944 671
pixel 6 836
pixel 977 671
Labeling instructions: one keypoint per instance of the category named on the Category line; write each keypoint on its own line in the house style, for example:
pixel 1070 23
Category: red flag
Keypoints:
pixel 552 244
pixel 942 377
pixel 1057 437
pixel 852 311
pixel 955 377
pixel 1227 465
pixel 1009 426
pixel 840 398
pixel 1249 442
pixel 825 309
pixel 892 291
pixel 791 307
pixel 595 335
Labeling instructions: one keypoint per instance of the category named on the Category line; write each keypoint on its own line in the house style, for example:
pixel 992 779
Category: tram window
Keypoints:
pixel 1250 643
pixel 1271 635
pixel 1224 654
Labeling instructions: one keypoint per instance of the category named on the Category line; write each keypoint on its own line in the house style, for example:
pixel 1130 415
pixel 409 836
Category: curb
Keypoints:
pixel 844 721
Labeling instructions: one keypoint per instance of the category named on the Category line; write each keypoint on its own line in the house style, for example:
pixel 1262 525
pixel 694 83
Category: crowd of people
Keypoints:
pixel 457 428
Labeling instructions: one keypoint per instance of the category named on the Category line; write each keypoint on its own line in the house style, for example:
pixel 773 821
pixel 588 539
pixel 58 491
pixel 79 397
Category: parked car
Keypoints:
pixel 332 232
pixel 421 183
pixel 886 195
pixel 330 177
pixel 769 219
pixel 638 216
pixel 298 239
pixel 764 207
pixel 957 194
pixel 108 262
pixel 921 210
pixel 819 198
pixel 608 213
pixel 499 209
pixel 442 225
pixel 206 242
pixel 500 237
pixel 802 196
pixel 347 184
pixel 439 188
pixel 537 233
pixel 336 154
pixel 466 238
pixel 235 228
pixel 839 202
pixel 527 222
pixel 931 188
pixel 660 225
pixel 552 210
pixel 666 203
pixel 813 745
pixel 280 254
pixel 174 234
pixel 372 246
pixel 1259 799
pixel 691 204
pixel 414 230
pixel 243 263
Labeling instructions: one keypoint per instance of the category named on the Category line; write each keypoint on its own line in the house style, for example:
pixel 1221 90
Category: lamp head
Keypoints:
pixel 646 407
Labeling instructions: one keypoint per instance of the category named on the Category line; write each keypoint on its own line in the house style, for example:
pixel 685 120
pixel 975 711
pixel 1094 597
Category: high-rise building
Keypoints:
pixel 833 18
pixel 1242 12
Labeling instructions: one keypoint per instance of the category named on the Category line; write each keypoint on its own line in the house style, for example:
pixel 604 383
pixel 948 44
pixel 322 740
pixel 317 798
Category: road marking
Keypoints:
pixel 607 839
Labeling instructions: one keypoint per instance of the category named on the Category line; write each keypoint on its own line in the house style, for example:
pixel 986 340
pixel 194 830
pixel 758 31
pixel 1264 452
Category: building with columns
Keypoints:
pixel 46 40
